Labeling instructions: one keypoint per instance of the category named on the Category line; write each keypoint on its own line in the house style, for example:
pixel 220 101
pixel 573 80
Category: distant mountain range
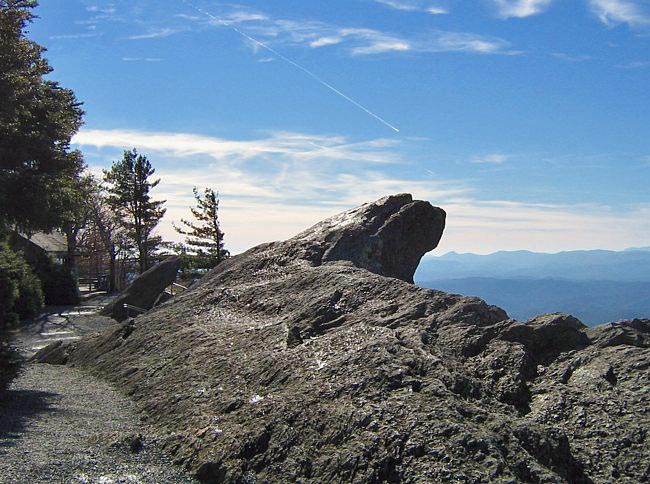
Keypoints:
pixel 596 286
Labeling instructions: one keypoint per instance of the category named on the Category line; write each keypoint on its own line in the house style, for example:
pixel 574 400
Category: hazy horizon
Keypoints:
pixel 435 253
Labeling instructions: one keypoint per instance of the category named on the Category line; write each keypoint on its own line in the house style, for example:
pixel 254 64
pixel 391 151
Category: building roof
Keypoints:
pixel 54 242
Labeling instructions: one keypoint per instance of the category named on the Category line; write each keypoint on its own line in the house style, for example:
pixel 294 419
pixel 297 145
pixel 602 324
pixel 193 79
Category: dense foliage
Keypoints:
pixel 37 120
pixel 10 363
pixel 204 246
pixel 129 196
pixel 59 284
pixel 21 295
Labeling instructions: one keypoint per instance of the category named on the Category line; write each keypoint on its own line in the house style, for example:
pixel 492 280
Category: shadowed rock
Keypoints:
pixel 302 361
pixel 635 332
pixel 145 290
pixel 387 237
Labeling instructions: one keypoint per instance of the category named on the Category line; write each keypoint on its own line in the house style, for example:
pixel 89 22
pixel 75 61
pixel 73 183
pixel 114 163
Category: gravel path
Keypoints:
pixel 60 425
pixel 61 323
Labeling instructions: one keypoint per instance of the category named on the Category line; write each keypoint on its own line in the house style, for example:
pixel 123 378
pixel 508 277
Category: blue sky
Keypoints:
pixel 526 120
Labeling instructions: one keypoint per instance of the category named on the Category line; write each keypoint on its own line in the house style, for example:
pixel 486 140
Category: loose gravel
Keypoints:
pixel 58 424
pixel 61 425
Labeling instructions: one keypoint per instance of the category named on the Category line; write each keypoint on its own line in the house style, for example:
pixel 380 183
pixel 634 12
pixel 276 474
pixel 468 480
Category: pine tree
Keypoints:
pixel 38 171
pixel 205 237
pixel 129 197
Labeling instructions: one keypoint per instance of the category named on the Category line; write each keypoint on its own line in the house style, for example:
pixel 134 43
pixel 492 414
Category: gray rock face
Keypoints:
pixel 145 290
pixel 301 361
pixel 387 237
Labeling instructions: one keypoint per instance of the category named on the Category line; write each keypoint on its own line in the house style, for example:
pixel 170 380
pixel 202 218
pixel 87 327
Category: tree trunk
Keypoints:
pixel 71 264
pixel 112 271
pixel 142 250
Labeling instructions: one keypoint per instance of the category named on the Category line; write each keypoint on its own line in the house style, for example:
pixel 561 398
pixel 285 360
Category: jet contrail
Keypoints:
pixel 295 64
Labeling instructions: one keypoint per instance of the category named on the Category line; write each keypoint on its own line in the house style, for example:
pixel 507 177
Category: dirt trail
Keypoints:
pixel 58 424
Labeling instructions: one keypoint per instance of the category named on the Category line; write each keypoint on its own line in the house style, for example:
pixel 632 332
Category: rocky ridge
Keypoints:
pixel 316 360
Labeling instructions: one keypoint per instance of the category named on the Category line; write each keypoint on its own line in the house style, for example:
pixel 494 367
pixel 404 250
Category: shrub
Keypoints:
pixel 21 295
pixel 10 363
pixel 59 286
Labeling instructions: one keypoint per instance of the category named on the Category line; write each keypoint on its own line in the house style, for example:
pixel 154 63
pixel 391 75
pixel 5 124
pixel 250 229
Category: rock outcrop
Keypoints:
pixel 145 290
pixel 388 237
pixel 316 360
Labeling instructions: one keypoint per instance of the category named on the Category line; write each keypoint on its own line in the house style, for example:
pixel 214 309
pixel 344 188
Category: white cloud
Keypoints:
pixel 97 9
pixel 85 35
pixel 324 41
pixel 491 158
pixel 521 8
pixel 465 42
pixel 400 5
pixel 374 42
pixel 357 41
pixel 612 12
pixel 155 34
pixel 141 59
pixel 437 10
pixel 489 226
pixel 271 187
pixel 415 6
pixel 294 146
pixel 275 186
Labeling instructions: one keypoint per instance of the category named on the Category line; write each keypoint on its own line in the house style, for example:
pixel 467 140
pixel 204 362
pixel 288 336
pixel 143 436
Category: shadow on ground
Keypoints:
pixel 17 408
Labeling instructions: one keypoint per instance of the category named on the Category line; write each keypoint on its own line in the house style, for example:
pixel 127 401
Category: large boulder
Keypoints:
pixel 145 290
pixel 316 360
pixel 387 237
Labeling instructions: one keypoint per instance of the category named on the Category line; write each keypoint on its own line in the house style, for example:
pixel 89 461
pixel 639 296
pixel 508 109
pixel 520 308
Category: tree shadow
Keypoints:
pixel 17 408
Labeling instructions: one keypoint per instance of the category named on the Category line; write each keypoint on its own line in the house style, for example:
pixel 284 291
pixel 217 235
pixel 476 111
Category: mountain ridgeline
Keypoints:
pixel 596 286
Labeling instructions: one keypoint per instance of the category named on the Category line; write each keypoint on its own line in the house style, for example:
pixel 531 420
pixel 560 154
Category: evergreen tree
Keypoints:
pixel 38 171
pixel 205 237
pixel 128 195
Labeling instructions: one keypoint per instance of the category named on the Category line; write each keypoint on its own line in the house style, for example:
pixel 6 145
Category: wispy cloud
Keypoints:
pixel 155 34
pixel 356 40
pixel 141 59
pixel 374 42
pixel 511 225
pixel 290 146
pixel 274 186
pixel 309 33
pixel 491 158
pixel 82 35
pixel 521 8
pixel 433 8
pixel 612 12
pixel 325 41
pixel 103 9
pixel 467 42
pixel 635 65
pixel 99 14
